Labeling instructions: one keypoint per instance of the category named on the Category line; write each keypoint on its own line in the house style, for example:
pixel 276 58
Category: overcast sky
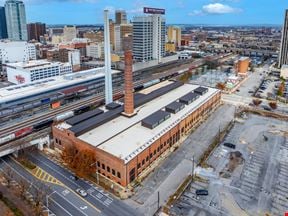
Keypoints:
pixel 219 12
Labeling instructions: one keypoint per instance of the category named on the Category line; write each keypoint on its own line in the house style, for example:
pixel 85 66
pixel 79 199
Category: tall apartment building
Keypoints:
pixel 35 30
pixel 112 34
pixel 16 20
pixel 174 35
pixel 69 33
pixel 149 37
pixel 3 26
pixel 120 17
pixel 283 56
pixel 27 72
pixel 120 31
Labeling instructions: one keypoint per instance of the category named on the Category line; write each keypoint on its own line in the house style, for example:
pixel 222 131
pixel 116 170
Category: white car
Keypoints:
pixel 81 192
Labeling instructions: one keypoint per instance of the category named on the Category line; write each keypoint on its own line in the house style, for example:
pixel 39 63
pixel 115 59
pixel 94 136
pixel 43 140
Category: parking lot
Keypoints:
pixel 254 183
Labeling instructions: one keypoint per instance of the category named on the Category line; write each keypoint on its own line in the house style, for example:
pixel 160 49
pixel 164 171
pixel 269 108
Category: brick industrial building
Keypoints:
pixel 127 138
pixel 242 66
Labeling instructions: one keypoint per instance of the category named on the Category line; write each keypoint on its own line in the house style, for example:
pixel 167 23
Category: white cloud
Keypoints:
pixel 196 13
pixel 215 8
pixel 218 8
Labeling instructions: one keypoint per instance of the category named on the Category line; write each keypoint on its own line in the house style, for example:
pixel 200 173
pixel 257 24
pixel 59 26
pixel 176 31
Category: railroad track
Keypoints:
pixel 88 101
pixel 75 105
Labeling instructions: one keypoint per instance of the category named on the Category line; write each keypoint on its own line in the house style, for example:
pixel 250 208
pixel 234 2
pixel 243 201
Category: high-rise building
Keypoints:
pixel 174 35
pixel 120 17
pixel 112 34
pixel 35 30
pixel 149 37
pixel 69 33
pixel 3 26
pixel 283 56
pixel 120 31
pixel 16 20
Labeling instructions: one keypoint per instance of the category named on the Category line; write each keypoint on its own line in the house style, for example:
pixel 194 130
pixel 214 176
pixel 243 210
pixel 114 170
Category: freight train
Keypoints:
pixel 63 116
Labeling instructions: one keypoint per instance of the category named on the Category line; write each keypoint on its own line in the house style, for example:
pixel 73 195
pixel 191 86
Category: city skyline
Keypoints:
pixel 206 12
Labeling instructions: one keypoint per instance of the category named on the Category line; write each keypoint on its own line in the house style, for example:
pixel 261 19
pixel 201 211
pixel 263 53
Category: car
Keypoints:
pixel 250 92
pixel 81 192
pixel 202 192
pixel 230 145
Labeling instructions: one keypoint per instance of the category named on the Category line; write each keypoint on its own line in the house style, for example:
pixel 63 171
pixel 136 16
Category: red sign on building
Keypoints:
pixel 20 79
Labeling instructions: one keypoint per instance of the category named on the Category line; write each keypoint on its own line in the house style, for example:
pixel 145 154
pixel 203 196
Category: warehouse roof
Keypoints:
pixel 126 137
pixel 20 91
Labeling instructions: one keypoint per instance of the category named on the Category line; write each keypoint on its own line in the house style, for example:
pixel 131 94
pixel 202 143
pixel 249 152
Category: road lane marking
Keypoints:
pixel 44 164
pixel 60 206
pixel 37 187
pixel 72 204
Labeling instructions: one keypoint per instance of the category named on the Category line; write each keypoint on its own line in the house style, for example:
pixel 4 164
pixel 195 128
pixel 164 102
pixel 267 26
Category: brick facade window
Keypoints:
pixel 118 174
pixel 143 162
pixel 108 169
pixel 103 166
pixel 138 166
pixel 147 158
pixel 113 172
pixel 98 164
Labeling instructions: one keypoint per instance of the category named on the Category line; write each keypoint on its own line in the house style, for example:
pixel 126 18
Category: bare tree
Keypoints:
pixel 8 174
pixel 23 188
pixel 257 102
pixel 39 198
pixel 221 86
pixel 273 105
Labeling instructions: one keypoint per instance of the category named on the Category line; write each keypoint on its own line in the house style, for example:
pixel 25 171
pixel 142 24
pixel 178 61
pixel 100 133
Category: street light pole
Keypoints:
pixel 47 197
pixel 193 161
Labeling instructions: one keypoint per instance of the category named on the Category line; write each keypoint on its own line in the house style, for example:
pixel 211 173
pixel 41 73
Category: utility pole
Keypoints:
pixel 158 201
pixel 193 162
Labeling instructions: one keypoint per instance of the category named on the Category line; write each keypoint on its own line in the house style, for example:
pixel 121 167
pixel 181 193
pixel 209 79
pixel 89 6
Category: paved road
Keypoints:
pixel 174 169
pixel 59 203
pixel 97 197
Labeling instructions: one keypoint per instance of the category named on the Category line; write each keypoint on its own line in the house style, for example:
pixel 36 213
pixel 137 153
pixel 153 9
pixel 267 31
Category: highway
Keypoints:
pixel 97 197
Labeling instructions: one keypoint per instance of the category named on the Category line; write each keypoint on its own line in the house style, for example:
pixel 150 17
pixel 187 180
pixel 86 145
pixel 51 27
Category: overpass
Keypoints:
pixel 39 140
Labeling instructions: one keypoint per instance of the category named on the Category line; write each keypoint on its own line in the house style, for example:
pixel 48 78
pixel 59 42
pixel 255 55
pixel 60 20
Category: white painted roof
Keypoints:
pixel 126 137
pixel 15 92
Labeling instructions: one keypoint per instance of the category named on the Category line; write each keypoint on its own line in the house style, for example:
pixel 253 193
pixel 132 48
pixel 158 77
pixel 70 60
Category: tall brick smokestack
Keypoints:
pixel 128 90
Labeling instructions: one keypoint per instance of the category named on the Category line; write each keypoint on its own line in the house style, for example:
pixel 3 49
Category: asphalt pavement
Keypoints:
pixel 96 196
pixel 58 203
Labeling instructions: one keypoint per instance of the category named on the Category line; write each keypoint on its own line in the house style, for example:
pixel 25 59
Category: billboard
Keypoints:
pixel 148 10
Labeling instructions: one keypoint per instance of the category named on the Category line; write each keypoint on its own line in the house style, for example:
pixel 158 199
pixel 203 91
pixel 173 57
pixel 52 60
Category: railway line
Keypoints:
pixel 96 99
pixel 72 106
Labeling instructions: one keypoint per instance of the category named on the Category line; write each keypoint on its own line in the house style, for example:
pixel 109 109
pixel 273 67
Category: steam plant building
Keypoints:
pixel 141 128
